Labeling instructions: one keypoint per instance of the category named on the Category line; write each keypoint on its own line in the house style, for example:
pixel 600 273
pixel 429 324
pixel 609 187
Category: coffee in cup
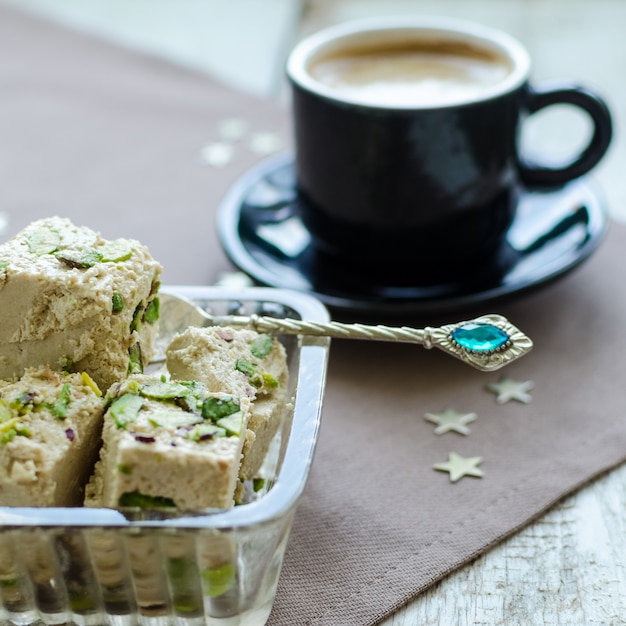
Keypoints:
pixel 422 73
pixel 407 132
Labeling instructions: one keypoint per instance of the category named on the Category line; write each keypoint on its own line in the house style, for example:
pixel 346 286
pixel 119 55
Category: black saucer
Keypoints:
pixel 552 233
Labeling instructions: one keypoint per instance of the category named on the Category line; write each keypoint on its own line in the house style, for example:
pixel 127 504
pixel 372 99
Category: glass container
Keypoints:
pixel 88 566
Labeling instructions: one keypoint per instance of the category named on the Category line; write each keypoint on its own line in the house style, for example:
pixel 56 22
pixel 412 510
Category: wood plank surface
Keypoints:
pixel 567 569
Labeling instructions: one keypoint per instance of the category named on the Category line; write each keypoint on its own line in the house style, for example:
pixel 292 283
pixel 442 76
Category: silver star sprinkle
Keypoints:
pixel 507 389
pixel 217 154
pixel 4 222
pixel 450 420
pixel 237 280
pixel 458 466
pixel 233 129
pixel 264 143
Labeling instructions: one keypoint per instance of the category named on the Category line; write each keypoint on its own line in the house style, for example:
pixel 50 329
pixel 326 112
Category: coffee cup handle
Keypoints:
pixel 537 175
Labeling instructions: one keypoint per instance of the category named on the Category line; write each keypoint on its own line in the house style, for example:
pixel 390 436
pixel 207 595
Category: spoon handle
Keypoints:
pixel 337 330
pixel 487 343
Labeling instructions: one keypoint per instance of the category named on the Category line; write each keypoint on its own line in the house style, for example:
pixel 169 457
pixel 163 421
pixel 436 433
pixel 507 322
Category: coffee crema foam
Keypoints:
pixel 411 76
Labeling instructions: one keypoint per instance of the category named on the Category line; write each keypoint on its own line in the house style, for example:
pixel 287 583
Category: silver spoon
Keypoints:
pixel 487 343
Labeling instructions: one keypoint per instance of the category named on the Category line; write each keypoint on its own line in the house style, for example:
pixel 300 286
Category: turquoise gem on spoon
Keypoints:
pixel 482 338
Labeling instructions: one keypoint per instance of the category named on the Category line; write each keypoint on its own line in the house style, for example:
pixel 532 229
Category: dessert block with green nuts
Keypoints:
pixel 76 302
pixel 50 425
pixel 244 363
pixel 169 444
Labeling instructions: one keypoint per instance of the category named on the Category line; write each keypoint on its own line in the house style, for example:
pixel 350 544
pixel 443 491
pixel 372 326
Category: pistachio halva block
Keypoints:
pixel 49 437
pixel 243 363
pixel 77 302
pixel 168 444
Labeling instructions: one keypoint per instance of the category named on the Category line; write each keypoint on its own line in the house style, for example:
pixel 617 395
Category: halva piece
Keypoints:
pixel 77 302
pixel 50 426
pixel 168 444
pixel 241 362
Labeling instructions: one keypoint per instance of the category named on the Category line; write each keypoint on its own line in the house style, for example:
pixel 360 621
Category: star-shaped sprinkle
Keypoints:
pixel 458 466
pixel 233 129
pixel 238 280
pixel 450 420
pixel 4 222
pixel 264 143
pixel 507 389
pixel 217 154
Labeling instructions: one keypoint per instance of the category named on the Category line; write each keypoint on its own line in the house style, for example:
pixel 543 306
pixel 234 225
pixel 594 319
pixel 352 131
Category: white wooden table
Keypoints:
pixel 567 567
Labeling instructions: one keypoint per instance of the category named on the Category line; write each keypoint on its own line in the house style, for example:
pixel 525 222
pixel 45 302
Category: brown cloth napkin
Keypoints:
pixel 112 140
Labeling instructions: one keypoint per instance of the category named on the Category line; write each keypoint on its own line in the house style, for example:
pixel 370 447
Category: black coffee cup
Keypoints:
pixel 407 135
